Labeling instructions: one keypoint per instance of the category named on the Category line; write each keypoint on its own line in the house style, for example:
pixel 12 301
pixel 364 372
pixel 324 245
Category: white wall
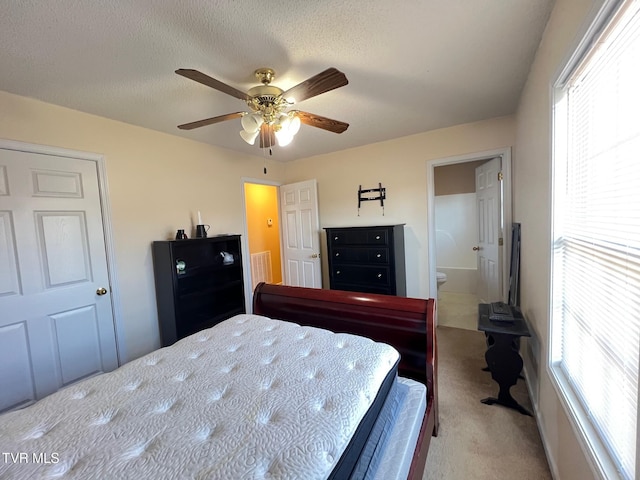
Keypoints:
pixel 401 166
pixel 156 183
pixel 456 234
pixel 456 230
pixel 532 194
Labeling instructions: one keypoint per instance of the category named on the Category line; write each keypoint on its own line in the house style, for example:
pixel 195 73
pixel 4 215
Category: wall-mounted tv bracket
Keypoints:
pixel 379 193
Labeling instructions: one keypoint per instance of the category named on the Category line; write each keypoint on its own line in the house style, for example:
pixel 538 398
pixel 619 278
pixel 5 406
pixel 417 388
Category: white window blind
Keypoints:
pixel 596 230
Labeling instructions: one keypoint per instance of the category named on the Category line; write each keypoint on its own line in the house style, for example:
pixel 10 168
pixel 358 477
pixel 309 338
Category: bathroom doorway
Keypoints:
pixel 456 224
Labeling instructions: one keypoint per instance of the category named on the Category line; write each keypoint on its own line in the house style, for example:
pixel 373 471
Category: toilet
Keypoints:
pixel 440 278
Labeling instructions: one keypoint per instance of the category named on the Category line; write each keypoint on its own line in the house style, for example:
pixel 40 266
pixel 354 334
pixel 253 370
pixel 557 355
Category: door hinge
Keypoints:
pixel 500 242
pixel 500 176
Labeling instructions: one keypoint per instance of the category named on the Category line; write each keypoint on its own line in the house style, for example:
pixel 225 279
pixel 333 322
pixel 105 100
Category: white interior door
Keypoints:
pixel 301 234
pixel 488 194
pixel 55 326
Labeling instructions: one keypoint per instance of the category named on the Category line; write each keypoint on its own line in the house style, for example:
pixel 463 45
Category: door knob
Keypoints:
pixel 475 249
pixel 316 255
pixel 101 291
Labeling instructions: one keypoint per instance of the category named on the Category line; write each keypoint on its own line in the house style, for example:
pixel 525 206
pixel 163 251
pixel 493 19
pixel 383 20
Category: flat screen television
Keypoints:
pixel 514 272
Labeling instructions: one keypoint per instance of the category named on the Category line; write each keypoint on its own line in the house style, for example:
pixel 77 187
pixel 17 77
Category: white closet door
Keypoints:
pixel 56 322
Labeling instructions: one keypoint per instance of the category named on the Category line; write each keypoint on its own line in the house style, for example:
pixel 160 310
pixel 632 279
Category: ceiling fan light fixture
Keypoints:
pixel 294 126
pixel 288 125
pixel 249 137
pixel 284 137
pixel 252 122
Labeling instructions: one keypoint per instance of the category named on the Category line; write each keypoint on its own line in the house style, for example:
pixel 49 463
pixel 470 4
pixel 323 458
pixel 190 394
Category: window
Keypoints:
pixel 595 294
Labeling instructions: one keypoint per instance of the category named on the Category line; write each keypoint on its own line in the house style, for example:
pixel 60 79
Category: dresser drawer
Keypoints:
pixel 378 255
pixel 353 287
pixel 378 237
pixel 360 255
pixel 361 274
pixel 356 236
pixel 347 237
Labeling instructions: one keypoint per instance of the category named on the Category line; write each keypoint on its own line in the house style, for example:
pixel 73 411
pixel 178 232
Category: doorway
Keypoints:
pixel 282 232
pixel 453 247
pixel 263 233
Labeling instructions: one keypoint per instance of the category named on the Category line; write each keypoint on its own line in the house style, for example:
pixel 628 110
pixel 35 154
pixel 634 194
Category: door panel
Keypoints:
pixel 301 226
pixel 292 273
pixel 291 229
pixel 63 248
pixel 488 191
pixel 77 335
pixel 55 327
pixel 309 270
pixel 9 284
pixel 307 228
pixel 4 182
pixel 15 366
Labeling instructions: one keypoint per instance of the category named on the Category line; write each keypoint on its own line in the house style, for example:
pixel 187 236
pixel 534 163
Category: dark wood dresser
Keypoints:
pixel 367 259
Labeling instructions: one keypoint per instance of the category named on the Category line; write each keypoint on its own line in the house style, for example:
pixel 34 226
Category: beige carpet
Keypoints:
pixel 478 441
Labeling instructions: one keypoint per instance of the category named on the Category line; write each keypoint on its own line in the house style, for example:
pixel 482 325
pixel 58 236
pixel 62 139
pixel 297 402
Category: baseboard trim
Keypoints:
pixel 550 460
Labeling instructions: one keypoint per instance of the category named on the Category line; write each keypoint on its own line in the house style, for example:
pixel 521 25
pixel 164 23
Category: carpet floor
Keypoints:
pixel 478 441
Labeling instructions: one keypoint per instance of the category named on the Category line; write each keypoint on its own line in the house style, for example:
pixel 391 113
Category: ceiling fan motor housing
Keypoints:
pixel 267 100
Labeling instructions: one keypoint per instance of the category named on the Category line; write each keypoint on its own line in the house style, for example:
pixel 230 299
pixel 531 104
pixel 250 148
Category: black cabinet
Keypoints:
pixel 367 259
pixel 198 284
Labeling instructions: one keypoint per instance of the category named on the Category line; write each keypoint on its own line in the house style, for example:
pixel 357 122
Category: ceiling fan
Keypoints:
pixel 270 117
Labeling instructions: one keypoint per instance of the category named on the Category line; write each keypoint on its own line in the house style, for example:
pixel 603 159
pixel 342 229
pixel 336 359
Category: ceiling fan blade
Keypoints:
pixel 267 136
pixel 210 121
pixel 323 82
pixel 325 123
pixel 212 82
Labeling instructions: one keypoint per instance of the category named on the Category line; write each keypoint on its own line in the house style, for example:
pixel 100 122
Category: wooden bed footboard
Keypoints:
pixel 408 324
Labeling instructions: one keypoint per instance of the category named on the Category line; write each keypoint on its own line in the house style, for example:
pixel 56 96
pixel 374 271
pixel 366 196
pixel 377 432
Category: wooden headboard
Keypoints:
pixel 408 324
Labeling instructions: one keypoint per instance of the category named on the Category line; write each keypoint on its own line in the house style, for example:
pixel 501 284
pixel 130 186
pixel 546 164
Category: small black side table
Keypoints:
pixel 502 355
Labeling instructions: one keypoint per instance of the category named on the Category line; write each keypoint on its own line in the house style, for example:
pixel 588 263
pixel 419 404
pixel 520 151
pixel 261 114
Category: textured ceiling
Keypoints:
pixel 412 65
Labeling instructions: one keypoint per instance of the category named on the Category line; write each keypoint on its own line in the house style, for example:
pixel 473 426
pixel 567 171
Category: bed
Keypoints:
pixel 219 405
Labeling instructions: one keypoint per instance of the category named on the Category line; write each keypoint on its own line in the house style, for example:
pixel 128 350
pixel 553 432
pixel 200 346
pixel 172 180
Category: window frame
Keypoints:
pixel 589 439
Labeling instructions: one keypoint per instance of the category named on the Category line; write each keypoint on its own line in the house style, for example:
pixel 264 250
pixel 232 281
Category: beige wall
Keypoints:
pixel 532 194
pixel 401 166
pixel 157 183
pixel 455 179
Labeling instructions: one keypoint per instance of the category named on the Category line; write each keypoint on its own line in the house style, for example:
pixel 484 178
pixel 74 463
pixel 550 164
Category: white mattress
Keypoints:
pixel 216 405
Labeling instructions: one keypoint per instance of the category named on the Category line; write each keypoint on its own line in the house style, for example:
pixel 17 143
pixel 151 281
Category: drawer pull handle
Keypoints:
pixel 377 237
pixel 378 255
pixel 379 275
pixel 337 254
pixel 337 272
pixel 335 238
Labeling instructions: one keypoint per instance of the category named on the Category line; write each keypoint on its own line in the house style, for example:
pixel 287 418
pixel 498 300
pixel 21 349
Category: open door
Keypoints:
pixel 301 234
pixel 488 198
